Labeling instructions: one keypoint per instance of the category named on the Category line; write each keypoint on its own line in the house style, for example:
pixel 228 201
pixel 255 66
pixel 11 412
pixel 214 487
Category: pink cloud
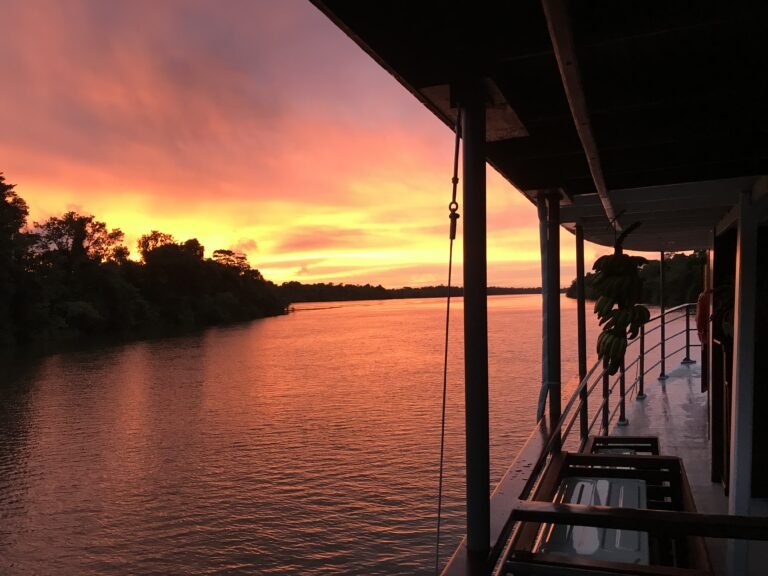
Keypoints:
pixel 252 113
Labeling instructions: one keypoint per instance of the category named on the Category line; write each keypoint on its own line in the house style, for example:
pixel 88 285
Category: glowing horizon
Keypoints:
pixel 254 128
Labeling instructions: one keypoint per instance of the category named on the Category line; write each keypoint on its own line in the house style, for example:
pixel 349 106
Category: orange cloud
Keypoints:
pixel 256 126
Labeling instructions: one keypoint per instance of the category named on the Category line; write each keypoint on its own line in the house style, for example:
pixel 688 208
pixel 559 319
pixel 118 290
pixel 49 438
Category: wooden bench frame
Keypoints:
pixel 645 444
pixel 668 489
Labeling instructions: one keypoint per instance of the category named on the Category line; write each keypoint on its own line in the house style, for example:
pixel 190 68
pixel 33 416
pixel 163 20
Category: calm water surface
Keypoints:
pixel 303 444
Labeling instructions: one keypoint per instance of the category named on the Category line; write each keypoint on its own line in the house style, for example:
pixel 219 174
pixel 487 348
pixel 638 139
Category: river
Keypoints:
pixel 303 444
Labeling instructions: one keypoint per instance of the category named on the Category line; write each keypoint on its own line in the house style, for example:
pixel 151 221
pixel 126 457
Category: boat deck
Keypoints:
pixel 676 411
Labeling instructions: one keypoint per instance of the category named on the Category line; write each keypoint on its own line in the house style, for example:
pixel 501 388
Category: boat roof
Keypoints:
pixel 641 110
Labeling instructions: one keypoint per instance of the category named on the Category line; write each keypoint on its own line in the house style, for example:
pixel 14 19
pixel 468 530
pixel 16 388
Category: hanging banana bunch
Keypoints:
pixel 619 286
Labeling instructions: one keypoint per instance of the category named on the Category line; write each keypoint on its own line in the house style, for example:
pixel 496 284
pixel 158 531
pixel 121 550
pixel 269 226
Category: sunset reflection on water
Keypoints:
pixel 300 443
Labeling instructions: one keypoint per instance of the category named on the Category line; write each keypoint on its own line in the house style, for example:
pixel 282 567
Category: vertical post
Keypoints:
pixel 687 359
pixel 663 374
pixel 541 206
pixel 622 393
pixel 581 319
pixel 606 393
pixel 553 310
pixel 740 483
pixel 476 323
pixel 720 270
pixel 641 368
pixel 706 368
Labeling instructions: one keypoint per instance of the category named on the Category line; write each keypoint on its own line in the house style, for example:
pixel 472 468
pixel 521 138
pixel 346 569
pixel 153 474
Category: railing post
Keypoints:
pixel 622 393
pixel 641 367
pixel 582 332
pixel 687 359
pixel 663 318
pixel 606 393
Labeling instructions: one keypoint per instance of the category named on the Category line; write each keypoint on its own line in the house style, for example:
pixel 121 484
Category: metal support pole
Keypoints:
pixel 743 394
pixel 641 366
pixel 476 323
pixel 553 310
pixel 581 319
pixel 606 393
pixel 687 359
pixel 622 393
pixel 541 206
pixel 663 374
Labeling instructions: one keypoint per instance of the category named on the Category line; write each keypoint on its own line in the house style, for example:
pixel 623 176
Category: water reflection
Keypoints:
pixel 302 443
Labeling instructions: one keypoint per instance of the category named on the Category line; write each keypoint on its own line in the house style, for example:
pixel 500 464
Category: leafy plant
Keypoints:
pixel 620 288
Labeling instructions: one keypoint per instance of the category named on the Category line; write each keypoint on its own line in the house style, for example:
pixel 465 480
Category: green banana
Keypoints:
pixel 600 262
pixel 599 346
pixel 619 287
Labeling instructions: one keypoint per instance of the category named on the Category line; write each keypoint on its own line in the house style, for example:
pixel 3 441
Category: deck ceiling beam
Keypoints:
pixel 558 23
pixel 674 217
pixel 759 192
pixel 678 208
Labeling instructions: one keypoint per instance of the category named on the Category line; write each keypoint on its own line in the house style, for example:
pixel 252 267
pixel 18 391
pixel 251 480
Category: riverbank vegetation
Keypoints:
pixel 295 292
pixel 70 277
pixel 683 277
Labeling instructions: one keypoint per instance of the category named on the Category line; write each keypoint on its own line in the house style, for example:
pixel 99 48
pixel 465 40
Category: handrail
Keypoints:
pixel 670 310
pixel 595 379
pixel 647 520
pixel 577 391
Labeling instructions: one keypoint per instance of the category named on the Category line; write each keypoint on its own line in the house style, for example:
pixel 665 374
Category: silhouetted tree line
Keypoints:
pixel 70 276
pixel 328 292
pixel 683 280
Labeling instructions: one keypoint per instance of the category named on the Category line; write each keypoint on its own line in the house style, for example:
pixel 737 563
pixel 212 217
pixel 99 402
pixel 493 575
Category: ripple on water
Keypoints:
pixel 302 444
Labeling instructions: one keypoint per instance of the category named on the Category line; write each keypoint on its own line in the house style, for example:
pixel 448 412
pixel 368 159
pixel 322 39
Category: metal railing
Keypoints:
pixel 656 323
pixel 524 475
pixel 579 403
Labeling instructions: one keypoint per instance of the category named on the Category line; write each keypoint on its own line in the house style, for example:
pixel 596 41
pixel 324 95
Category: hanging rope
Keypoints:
pixel 453 216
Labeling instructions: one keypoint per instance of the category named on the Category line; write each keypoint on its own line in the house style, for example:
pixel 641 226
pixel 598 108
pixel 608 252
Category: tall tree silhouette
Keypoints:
pixel 79 238
pixel 71 276
pixel 13 246
pixel 193 247
pixel 154 239
pixel 13 217
pixel 232 259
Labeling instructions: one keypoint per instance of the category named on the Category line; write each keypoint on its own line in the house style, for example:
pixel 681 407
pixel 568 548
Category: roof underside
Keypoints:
pixel 675 91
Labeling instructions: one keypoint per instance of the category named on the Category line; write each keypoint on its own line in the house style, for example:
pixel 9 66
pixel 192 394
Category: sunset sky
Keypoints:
pixel 253 125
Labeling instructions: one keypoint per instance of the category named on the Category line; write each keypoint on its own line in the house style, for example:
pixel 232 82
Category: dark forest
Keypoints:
pixel 70 277
pixel 683 280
